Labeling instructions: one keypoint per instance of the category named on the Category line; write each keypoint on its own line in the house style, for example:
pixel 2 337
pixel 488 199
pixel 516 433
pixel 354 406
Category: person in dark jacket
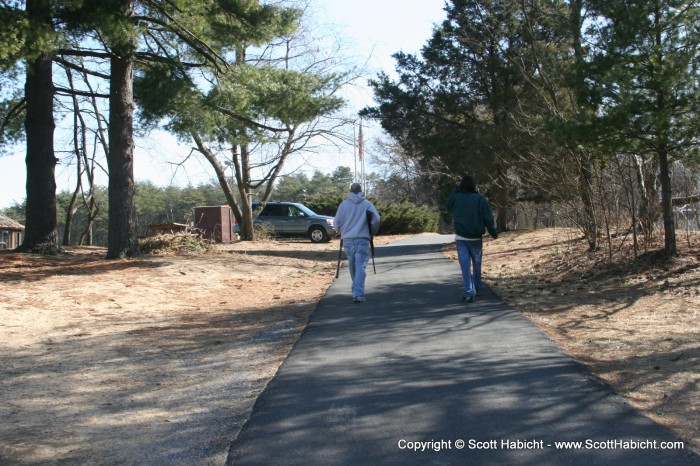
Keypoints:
pixel 472 217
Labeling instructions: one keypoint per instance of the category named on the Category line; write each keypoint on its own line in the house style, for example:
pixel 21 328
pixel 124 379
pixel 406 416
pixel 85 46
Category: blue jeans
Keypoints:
pixel 358 253
pixel 469 254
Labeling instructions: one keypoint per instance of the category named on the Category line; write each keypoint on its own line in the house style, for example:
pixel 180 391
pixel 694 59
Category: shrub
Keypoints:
pixel 263 232
pixel 397 217
pixel 324 204
pixel 407 218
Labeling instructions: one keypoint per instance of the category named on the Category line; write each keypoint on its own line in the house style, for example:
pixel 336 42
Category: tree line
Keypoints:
pixel 153 205
pixel 587 104
pixel 321 192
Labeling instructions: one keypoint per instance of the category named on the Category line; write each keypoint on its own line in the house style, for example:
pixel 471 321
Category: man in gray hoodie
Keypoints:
pixel 352 221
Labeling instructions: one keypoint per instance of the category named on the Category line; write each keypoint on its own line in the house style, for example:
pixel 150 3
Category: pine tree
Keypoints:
pixel 648 65
pixel 255 114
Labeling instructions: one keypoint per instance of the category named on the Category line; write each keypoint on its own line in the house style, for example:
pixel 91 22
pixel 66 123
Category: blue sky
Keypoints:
pixel 372 29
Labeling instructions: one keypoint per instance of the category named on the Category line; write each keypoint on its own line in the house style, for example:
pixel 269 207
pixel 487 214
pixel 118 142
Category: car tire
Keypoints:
pixel 318 234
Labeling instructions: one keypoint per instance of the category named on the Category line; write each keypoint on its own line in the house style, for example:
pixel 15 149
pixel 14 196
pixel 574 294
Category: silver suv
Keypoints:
pixel 292 219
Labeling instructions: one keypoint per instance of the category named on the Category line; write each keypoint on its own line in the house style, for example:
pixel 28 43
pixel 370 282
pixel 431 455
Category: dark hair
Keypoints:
pixel 467 185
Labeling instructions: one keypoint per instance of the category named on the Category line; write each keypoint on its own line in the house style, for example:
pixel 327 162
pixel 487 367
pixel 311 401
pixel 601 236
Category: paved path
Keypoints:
pixel 414 367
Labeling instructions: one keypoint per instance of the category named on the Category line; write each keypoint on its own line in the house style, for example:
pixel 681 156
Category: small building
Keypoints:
pixel 10 233
pixel 216 223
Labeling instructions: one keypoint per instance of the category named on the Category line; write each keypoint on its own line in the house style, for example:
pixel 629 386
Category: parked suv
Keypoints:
pixel 292 219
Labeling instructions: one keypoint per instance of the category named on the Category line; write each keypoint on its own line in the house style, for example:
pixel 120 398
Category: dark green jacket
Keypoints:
pixel 472 215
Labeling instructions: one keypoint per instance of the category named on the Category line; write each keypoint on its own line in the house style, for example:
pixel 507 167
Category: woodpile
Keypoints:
pixel 168 243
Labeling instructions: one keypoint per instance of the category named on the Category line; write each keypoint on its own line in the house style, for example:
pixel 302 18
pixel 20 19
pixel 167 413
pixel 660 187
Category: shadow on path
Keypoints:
pixel 367 383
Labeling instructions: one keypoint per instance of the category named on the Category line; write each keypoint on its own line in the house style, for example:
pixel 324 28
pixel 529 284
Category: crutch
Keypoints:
pixel 340 253
pixel 371 238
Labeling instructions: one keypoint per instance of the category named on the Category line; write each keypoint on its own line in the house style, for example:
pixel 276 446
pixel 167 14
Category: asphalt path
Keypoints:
pixel 414 376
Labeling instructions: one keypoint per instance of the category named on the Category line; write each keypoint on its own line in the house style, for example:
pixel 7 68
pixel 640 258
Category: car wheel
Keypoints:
pixel 318 235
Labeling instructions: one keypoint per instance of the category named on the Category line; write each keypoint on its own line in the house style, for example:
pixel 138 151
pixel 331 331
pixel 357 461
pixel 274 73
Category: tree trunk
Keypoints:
pixel 667 204
pixel 648 203
pixel 503 197
pixel 40 235
pixel 242 164
pixel 80 154
pixel 122 237
pixel 92 211
pixel 587 218
pixel 584 161
pixel 70 215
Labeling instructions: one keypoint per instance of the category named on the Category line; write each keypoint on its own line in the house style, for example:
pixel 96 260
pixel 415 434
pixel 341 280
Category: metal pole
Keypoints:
pixel 340 252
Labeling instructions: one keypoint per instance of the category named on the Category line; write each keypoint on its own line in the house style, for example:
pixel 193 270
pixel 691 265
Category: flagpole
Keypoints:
pixel 361 156
pixel 354 149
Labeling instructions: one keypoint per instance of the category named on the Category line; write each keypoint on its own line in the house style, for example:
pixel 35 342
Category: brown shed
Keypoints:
pixel 10 233
pixel 216 222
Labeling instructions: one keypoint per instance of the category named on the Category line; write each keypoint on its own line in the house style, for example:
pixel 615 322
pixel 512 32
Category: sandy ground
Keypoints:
pixel 634 324
pixel 158 360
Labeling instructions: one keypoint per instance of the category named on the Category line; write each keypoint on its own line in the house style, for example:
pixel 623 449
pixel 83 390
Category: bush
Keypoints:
pixel 397 217
pixel 407 218
pixel 263 232
pixel 324 204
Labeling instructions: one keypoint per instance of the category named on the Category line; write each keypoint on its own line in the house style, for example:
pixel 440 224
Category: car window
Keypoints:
pixel 286 210
pixel 295 211
pixel 307 211
pixel 276 210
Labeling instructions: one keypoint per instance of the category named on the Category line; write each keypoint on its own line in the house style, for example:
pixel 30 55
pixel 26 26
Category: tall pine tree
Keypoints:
pixel 649 75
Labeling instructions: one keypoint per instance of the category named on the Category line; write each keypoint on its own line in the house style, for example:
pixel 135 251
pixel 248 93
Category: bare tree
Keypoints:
pixel 89 137
pixel 292 86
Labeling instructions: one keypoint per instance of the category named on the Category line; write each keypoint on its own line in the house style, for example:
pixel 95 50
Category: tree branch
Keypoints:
pixel 248 121
pixel 84 53
pixel 80 69
pixel 71 92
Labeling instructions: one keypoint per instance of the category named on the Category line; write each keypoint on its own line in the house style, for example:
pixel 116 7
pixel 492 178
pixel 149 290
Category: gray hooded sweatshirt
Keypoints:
pixel 351 217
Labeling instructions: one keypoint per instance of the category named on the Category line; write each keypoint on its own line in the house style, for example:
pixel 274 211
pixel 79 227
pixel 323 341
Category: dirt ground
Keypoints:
pixel 152 360
pixel 160 358
pixel 634 324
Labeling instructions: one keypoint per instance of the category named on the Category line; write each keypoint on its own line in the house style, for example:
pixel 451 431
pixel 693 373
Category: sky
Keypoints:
pixel 372 29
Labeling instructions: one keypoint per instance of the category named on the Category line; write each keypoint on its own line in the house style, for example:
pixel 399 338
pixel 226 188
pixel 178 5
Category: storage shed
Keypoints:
pixel 216 222
pixel 10 233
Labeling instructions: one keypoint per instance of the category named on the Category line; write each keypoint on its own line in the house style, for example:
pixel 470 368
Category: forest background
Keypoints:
pixel 157 205
pixel 580 113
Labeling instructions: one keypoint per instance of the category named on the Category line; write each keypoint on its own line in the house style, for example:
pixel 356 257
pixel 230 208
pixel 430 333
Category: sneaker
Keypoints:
pixel 468 299
pixel 358 299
